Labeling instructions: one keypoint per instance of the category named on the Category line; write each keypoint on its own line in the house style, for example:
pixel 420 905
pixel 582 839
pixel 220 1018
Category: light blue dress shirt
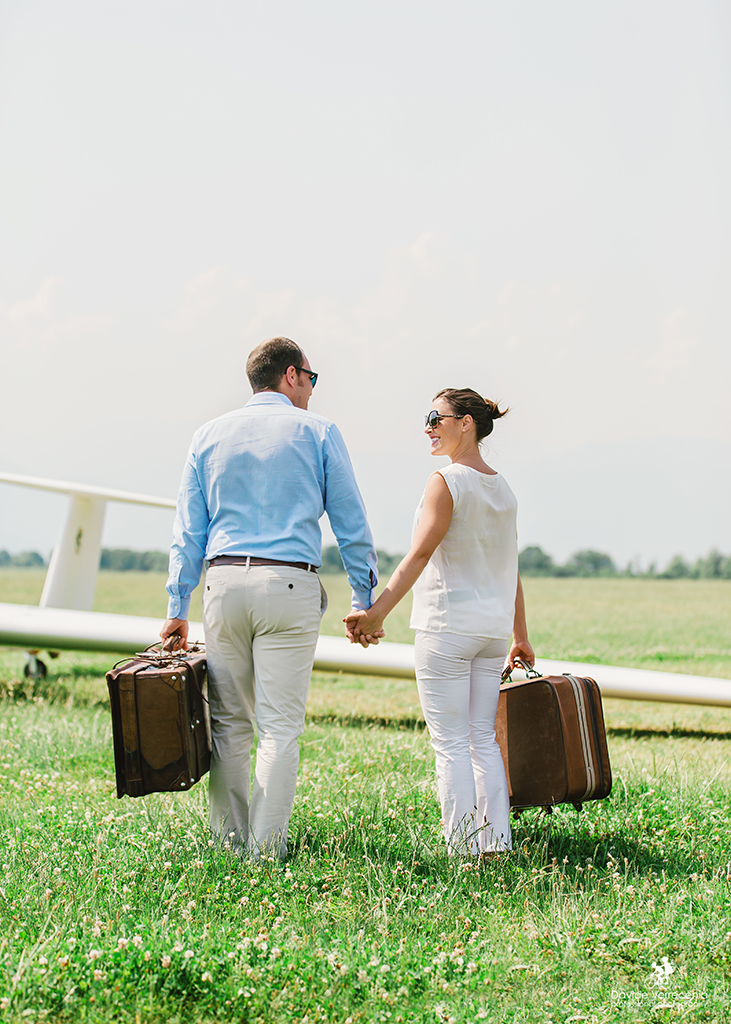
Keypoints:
pixel 256 482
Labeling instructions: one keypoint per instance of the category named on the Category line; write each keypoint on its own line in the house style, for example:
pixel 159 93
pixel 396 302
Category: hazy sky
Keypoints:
pixel 523 197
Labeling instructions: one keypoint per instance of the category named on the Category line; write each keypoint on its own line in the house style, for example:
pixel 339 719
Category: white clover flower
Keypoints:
pixel 63 961
pixel 177 948
pixel 137 941
pixel 98 975
pixel 206 976
pixel 385 968
pixel 168 864
pixel 472 966
pixel 188 954
pixel 94 954
pixel 362 977
pixel 148 955
pixel 122 943
pixel 4 1003
pixel 165 961
pixel 42 961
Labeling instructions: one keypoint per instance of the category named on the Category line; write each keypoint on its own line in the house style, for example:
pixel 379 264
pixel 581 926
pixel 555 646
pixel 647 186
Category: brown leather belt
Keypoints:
pixel 246 561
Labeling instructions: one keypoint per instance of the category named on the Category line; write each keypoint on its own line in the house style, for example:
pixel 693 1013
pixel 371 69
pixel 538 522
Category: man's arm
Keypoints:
pixel 190 533
pixel 346 512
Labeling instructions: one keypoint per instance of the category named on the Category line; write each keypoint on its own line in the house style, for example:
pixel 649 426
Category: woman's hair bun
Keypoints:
pixel 465 401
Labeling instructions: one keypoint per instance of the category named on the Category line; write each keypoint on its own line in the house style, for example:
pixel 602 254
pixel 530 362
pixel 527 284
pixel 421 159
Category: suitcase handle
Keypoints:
pixel 530 671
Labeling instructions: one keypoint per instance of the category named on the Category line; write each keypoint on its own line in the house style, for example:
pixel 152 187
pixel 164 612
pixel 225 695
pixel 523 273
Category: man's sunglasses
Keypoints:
pixel 313 376
pixel 432 418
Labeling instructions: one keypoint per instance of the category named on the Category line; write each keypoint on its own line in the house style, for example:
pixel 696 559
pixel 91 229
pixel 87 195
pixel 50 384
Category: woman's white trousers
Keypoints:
pixel 459 682
pixel 261 626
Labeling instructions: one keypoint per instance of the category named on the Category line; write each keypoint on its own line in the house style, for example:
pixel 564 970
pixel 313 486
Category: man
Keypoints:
pixel 255 485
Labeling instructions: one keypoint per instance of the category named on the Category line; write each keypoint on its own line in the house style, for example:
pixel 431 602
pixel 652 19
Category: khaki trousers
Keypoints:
pixel 261 626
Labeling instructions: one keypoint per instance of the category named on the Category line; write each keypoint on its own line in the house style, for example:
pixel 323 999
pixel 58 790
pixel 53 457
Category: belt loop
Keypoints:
pixel 248 561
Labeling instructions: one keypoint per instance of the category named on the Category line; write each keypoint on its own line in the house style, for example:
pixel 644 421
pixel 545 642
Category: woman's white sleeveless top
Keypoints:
pixel 470 582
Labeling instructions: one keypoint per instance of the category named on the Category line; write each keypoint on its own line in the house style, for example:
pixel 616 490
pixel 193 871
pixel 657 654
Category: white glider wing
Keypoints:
pixel 64 620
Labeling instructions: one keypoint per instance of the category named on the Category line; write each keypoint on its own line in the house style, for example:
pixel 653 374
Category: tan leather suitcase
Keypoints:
pixel 160 722
pixel 554 744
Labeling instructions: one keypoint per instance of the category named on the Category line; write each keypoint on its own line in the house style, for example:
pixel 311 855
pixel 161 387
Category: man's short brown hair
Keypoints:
pixel 269 361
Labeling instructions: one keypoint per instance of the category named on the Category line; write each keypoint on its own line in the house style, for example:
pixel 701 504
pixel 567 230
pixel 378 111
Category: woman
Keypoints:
pixel 468 601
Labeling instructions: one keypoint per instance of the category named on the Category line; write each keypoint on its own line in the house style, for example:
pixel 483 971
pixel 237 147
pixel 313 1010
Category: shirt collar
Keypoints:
pixel 269 398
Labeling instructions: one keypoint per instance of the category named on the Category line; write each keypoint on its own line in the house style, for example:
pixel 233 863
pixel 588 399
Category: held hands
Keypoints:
pixel 363 628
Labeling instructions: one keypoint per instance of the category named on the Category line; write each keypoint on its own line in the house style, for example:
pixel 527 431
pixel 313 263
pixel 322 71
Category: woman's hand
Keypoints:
pixel 521 650
pixel 364 627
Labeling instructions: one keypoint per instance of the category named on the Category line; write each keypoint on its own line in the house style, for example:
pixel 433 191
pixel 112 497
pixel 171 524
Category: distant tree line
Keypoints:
pixel 333 563
pixel 533 561
pixel 24 560
pixel 125 560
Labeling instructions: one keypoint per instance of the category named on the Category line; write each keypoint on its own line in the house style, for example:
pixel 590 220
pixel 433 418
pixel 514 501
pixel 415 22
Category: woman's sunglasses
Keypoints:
pixel 313 376
pixel 432 418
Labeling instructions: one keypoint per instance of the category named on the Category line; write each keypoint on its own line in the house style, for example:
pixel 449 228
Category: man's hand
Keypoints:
pixel 177 632
pixel 363 628
pixel 521 650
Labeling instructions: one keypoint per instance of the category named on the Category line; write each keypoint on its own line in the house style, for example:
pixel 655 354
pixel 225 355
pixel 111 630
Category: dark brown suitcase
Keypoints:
pixel 554 744
pixel 160 722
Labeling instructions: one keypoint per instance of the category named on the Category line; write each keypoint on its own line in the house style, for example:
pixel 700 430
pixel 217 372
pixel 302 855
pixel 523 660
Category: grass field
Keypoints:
pixel 121 911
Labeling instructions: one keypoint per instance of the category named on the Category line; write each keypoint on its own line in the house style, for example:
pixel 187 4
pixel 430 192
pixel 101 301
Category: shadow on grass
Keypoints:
pixel 630 733
pixel 369 721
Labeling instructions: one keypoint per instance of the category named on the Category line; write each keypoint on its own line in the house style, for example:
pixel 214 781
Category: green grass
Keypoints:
pixel 122 911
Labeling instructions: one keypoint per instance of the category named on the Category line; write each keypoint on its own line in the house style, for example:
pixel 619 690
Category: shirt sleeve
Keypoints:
pixel 346 512
pixel 190 535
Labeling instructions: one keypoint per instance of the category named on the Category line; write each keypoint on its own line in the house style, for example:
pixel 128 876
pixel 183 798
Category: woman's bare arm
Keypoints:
pixel 520 647
pixel 433 525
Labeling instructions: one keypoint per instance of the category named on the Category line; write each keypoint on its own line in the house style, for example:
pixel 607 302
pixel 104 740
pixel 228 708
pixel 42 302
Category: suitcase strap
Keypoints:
pixel 130 728
pixel 591 773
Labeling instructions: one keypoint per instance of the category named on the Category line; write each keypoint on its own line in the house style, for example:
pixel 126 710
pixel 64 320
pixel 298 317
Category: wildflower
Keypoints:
pixel 94 954
pixel 98 975
pixel 63 961
pixel 207 976
pixel 165 961
pixel 385 968
pixel 362 977
pixel 4 1003
pixel 471 967
pixel 148 955
pixel 122 943
pixel 137 941
pixel 177 948
pixel 42 961
pixel 188 954
pixel 167 865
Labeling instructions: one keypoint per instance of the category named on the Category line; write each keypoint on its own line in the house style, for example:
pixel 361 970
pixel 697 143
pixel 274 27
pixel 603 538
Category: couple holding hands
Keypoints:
pixel 256 483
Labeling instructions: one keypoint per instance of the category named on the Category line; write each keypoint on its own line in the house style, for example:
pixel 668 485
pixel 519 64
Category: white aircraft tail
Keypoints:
pixel 72 572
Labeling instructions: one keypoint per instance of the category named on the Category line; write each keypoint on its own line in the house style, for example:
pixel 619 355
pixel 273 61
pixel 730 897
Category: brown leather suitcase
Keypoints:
pixel 160 721
pixel 554 744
